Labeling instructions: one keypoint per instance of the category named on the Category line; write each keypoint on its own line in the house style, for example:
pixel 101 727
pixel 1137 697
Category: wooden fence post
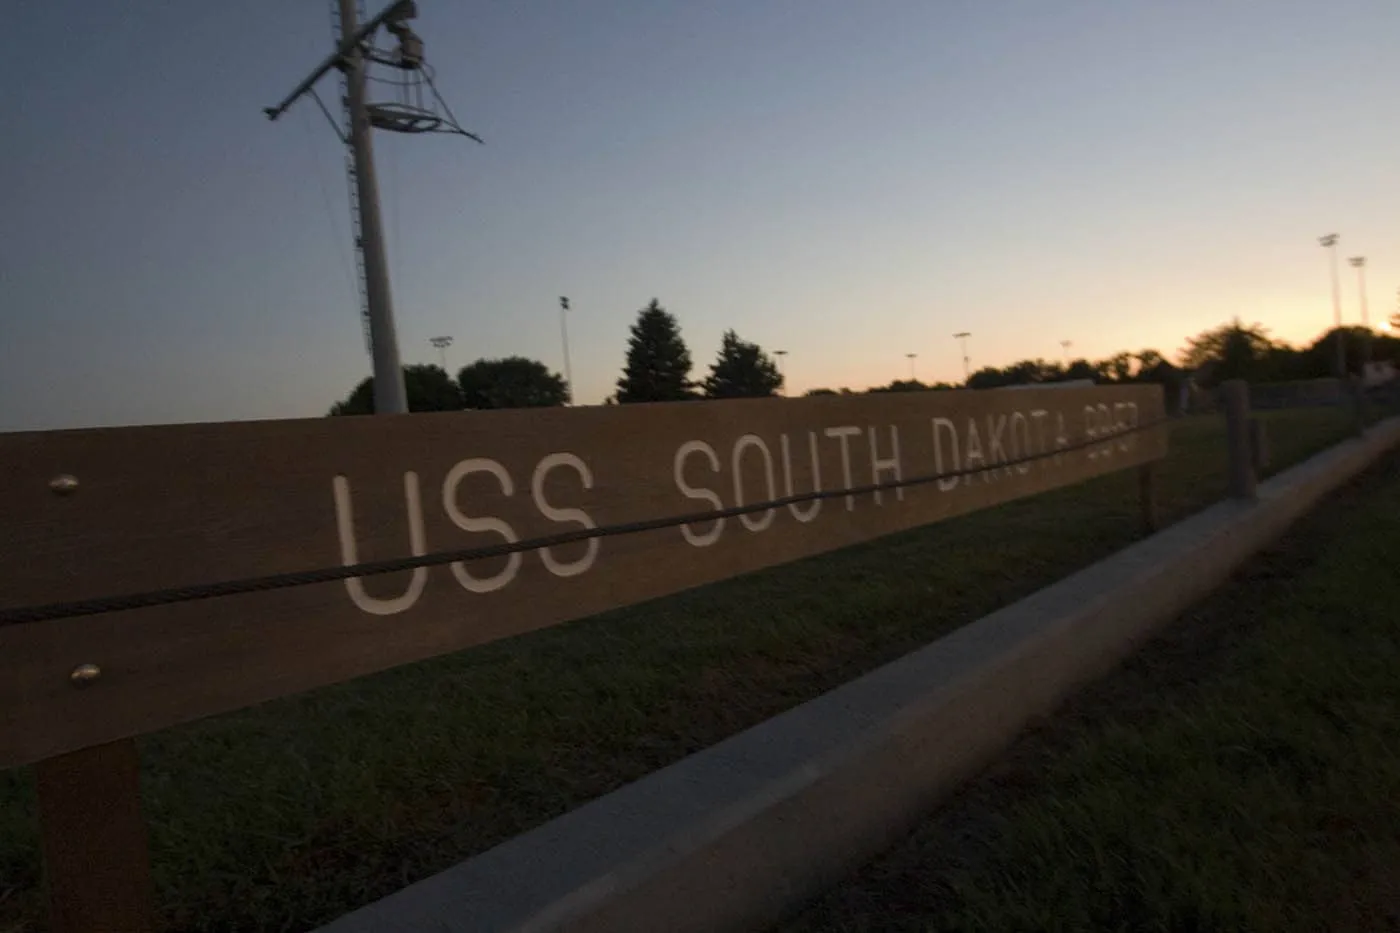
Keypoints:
pixel 96 862
pixel 1358 403
pixel 1147 489
pixel 1242 477
pixel 1258 445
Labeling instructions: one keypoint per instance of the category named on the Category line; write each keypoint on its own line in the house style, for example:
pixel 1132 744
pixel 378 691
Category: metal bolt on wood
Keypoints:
pixel 85 674
pixel 64 484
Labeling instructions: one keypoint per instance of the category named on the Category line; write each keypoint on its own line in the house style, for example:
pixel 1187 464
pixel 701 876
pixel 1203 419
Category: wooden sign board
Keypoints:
pixel 175 506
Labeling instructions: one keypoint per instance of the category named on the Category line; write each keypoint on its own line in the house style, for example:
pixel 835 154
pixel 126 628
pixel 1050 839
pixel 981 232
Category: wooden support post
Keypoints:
pixel 1258 445
pixel 1358 403
pixel 96 863
pixel 1242 477
pixel 1147 487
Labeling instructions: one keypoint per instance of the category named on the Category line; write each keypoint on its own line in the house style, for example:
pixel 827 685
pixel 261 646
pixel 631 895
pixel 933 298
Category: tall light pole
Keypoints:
pixel 912 358
pixel 418 109
pixel 1329 242
pixel 967 360
pixel 1064 348
pixel 389 393
pixel 1359 264
pixel 781 355
pixel 442 343
pixel 564 331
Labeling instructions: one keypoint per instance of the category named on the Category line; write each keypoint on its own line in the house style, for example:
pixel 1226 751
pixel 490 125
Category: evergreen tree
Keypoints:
pixel 658 363
pixel 742 370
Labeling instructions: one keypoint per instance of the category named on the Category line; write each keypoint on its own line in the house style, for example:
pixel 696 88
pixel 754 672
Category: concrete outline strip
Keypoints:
pixel 734 836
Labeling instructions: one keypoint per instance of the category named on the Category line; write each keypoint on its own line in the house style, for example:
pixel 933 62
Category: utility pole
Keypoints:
pixel 442 343
pixel 418 108
pixel 781 355
pixel 967 361
pixel 564 330
pixel 1329 242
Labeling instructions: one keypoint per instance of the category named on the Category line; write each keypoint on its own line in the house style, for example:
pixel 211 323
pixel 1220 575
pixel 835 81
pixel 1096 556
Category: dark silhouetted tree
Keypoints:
pixel 658 363
pixel 1081 369
pixel 428 388
pixel 1032 371
pixel 1148 360
pixel 1387 346
pixel 1117 368
pixel 1026 372
pixel 1229 347
pixel 913 385
pixel 1154 367
pixel 742 370
pixel 988 377
pixel 1322 353
pixel 812 393
pixel 513 382
pixel 900 385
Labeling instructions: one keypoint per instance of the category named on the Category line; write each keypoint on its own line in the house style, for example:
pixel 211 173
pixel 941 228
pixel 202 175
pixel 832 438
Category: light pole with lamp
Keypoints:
pixel 1329 242
pixel 1359 264
pixel 564 332
pixel 412 111
pixel 442 343
pixel 967 361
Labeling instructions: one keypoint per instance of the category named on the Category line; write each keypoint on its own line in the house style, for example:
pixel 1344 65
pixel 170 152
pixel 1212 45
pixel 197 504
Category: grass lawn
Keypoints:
pixel 288 814
pixel 1241 773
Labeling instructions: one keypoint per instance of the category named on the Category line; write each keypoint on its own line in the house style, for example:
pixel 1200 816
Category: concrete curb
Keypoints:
pixel 735 836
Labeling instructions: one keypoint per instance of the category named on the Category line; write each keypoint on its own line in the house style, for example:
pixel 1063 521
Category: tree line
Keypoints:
pixel 658 369
pixel 659 365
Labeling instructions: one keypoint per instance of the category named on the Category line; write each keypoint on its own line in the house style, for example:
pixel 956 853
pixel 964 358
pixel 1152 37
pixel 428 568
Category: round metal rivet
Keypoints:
pixel 64 484
pixel 85 674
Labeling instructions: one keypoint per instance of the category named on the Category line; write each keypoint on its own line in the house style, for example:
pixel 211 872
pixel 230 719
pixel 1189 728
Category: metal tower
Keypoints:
pixel 412 105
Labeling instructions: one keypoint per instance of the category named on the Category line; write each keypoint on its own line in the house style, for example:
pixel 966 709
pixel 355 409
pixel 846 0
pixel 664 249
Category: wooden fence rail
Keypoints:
pixel 109 628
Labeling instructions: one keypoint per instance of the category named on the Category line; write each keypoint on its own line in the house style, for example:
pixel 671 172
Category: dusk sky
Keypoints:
pixel 846 181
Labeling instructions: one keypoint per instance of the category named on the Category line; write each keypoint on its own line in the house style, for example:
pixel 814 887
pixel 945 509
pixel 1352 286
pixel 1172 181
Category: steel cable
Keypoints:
pixel 25 615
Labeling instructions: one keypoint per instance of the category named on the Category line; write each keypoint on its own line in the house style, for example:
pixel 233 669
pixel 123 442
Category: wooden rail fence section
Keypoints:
pixel 88 515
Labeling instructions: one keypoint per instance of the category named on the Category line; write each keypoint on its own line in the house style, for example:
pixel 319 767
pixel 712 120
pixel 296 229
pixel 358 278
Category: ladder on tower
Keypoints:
pixel 338 32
